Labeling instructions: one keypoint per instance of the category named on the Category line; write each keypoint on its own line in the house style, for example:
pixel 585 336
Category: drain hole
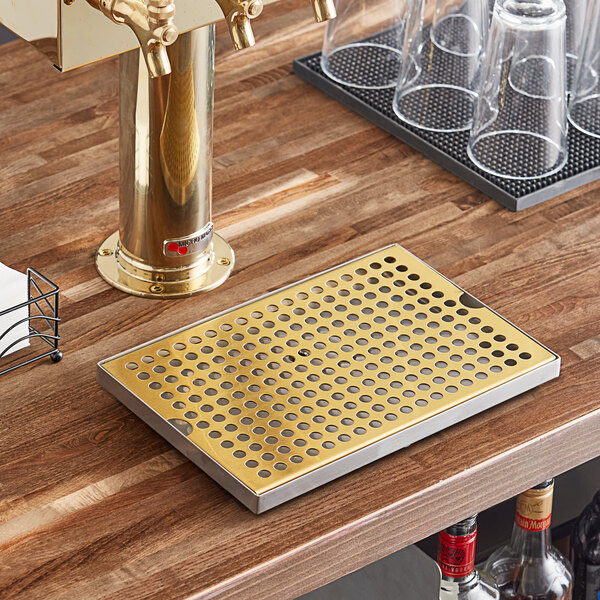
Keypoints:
pixel 182 426
pixel 470 302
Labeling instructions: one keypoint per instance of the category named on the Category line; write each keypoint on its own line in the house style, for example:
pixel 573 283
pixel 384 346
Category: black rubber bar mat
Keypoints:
pixel 449 150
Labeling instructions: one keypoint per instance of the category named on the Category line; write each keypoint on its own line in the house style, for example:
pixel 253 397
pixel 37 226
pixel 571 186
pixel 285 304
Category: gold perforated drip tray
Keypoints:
pixel 355 362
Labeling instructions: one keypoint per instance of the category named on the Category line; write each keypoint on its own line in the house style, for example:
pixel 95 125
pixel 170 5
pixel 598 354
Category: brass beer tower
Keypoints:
pixel 165 246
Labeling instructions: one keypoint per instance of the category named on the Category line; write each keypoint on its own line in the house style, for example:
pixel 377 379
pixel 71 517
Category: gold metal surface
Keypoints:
pixel 152 284
pixel 291 382
pixel 152 24
pixel 166 176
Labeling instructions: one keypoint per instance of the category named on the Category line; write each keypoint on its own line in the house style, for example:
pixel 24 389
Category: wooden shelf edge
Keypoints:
pixel 388 530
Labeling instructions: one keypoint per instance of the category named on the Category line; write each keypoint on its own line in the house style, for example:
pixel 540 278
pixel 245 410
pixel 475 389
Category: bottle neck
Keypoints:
pixel 531 532
pixel 531 543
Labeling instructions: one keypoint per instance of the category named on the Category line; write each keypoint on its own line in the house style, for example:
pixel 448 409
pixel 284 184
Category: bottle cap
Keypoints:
pixel 463 527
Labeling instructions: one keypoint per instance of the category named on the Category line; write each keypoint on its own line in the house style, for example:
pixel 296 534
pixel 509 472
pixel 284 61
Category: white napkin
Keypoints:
pixel 13 291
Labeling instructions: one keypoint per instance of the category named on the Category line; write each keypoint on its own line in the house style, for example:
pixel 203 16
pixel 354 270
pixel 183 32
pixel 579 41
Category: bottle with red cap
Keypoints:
pixel 529 567
pixel 456 558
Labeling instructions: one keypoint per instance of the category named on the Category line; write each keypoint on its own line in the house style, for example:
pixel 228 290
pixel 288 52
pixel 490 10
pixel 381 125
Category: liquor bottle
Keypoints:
pixel 456 558
pixel 585 552
pixel 529 567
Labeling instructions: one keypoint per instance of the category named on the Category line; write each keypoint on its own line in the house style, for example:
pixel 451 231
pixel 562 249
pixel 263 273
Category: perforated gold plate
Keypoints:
pixel 294 389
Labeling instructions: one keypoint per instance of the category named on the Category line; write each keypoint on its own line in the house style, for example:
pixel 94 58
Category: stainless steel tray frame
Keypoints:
pixel 259 503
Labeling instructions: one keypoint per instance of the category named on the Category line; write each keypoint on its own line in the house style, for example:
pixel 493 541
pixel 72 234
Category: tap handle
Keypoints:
pixel 238 15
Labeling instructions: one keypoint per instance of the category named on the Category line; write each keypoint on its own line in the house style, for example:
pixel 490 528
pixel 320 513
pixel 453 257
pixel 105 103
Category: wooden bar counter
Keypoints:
pixel 93 503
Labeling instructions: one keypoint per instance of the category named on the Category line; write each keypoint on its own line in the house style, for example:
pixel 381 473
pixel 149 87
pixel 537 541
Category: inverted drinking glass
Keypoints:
pixel 520 124
pixel 527 58
pixel 584 105
pixel 362 46
pixel 444 44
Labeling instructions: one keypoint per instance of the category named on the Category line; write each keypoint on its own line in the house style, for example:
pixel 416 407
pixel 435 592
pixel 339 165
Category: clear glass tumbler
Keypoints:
pixel 444 44
pixel 520 124
pixel 362 46
pixel 527 58
pixel 584 105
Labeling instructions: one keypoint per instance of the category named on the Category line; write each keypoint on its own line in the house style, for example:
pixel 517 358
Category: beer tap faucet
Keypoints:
pixel 324 10
pixel 238 14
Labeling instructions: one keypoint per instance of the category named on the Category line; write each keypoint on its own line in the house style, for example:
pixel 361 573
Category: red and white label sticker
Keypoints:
pixel 533 524
pixel 192 244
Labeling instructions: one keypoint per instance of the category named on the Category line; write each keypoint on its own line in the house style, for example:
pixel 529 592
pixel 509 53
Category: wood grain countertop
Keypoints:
pixel 93 504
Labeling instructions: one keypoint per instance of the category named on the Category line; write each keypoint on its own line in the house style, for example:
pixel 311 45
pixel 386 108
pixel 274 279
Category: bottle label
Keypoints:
pixel 534 509
pixel 456 555
pixel 592 582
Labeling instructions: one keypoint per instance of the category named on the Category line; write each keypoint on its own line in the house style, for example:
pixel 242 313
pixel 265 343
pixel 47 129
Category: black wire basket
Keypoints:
pixel 42 319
